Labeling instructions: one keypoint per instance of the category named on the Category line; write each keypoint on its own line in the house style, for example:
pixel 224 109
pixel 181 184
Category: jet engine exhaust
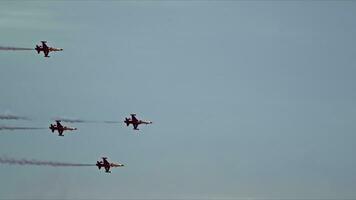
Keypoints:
pixel 12 161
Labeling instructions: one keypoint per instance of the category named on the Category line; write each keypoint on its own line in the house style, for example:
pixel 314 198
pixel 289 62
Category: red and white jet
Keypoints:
pixel 135 122
pixel 106 165
pixel 60 128
pixel 46 49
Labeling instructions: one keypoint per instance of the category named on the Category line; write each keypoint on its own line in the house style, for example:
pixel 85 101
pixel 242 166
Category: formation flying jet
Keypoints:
pixel 135 122
pixel 106 165
pixel 46 49
pixel 60 128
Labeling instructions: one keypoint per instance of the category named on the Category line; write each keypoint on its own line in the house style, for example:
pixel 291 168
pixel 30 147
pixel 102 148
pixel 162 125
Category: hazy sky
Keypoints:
pixel 248 99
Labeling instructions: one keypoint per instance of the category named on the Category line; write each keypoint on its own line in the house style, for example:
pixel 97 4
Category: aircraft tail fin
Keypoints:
pixel 37 49
pixel 127 122
pixel 98 165
pixel 52 128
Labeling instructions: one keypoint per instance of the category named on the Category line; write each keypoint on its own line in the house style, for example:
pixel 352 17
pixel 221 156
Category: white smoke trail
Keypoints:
pixel 12 117
pixel 15 48
pixel 110 122
pixel 12 161
pixel 75 120
pixel 68 120
pixel 13 128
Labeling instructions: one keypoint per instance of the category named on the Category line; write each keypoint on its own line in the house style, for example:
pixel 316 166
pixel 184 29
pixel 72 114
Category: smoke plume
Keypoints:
pixel 15 48
pixel 12 117
pixel 13 128
pixel 111 122
pixel 12 161
pixel 76 120
pixel 68 120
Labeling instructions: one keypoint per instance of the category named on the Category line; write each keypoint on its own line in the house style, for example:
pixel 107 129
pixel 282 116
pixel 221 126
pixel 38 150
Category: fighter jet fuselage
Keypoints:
pixel 106 165
pixel 135 122
pixel 60 128
pixel 46 49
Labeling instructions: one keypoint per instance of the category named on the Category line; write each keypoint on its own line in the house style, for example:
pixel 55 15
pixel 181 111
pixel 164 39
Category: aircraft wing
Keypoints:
pixel 133 117
pixel 106 162
pixel 58 124
pixel 45 53
pixel 60 132
pixel 44 45
pixel 135 126
pixel 107 169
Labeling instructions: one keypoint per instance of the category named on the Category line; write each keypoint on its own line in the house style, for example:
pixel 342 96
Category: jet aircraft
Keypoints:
pixel 135 122
pixel 106 165
pixel 46 49
pixel 60 128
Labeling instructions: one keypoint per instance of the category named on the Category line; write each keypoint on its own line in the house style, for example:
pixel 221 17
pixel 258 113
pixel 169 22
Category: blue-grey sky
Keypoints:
pixel 249 99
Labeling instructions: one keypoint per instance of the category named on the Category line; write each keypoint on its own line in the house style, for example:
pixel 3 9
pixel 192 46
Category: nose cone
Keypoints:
pixel 120 165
